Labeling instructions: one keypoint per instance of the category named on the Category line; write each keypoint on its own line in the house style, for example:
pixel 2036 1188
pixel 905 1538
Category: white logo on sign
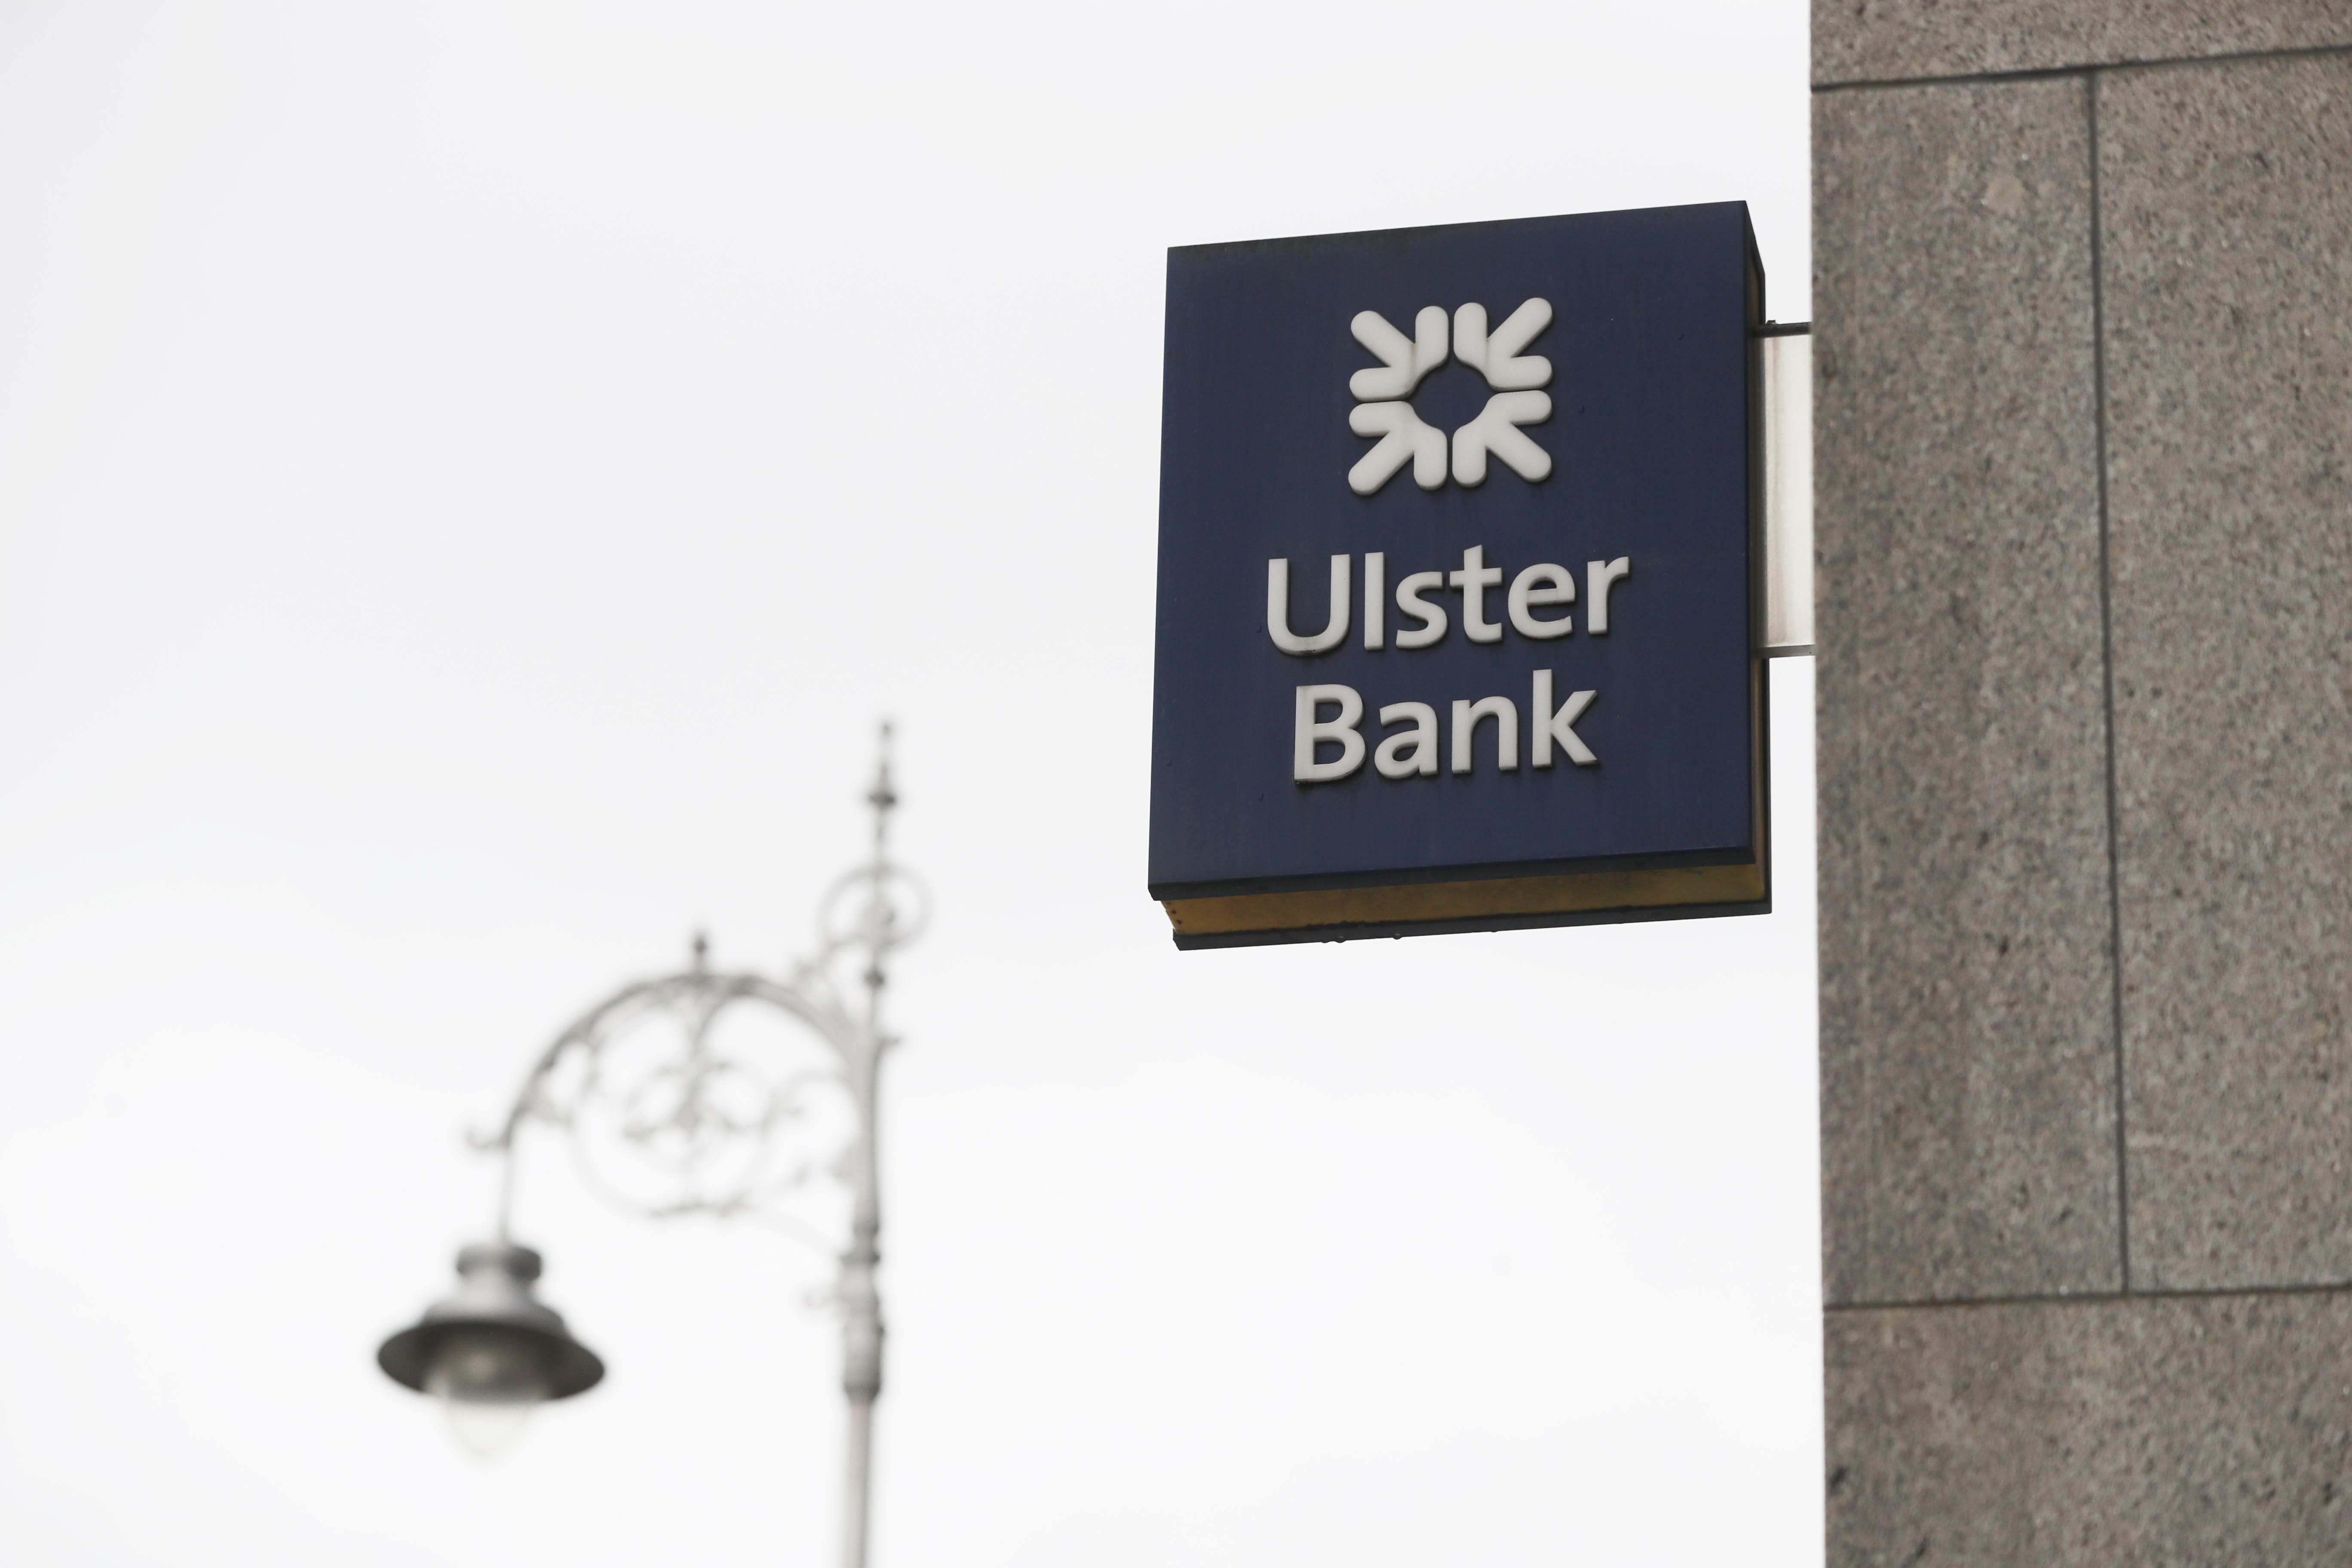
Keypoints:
pixel 1383 407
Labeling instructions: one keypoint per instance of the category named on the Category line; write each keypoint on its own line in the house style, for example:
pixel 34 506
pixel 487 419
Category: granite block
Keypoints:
pixel 2227 286
pixel 2124 1433
pixel 1968 1087
pixel 1905 40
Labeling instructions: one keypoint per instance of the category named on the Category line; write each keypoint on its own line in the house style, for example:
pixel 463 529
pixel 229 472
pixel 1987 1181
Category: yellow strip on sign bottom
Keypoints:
pixel 1468 900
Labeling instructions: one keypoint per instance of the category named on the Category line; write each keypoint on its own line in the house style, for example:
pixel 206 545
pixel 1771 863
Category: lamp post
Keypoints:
pixel 671 1113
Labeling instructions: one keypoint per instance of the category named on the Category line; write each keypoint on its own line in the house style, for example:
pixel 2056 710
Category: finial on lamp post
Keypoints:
pixel 882 797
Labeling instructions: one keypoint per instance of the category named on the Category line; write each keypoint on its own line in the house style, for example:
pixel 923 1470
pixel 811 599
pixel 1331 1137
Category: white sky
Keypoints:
pixel 471 476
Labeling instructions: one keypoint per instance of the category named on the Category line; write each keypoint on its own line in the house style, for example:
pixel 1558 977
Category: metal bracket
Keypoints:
pixel 1787 350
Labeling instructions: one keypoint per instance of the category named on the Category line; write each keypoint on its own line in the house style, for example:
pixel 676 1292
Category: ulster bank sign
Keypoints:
pixel 1458 598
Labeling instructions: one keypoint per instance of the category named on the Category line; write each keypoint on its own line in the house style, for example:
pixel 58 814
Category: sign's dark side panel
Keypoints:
pixel 1457 538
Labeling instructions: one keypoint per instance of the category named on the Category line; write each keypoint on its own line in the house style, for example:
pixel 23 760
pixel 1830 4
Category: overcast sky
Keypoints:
pixel 471 475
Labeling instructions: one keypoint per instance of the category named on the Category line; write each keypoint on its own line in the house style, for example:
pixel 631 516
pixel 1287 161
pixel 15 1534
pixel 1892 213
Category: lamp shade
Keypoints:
pixel 492 1351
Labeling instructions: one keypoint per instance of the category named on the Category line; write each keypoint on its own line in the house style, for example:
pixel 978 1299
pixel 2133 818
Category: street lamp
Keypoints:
pixel 673 1109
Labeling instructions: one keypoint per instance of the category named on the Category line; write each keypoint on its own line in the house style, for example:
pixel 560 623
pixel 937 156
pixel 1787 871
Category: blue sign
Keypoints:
pixel 1458 601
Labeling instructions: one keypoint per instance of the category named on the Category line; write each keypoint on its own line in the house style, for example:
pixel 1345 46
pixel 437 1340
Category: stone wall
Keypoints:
pixel 2084 514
